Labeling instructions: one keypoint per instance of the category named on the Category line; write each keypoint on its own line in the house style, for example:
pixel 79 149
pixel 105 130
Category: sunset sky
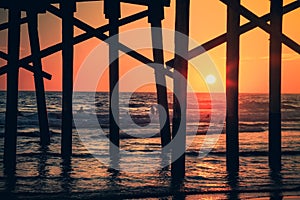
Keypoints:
pixel 208 20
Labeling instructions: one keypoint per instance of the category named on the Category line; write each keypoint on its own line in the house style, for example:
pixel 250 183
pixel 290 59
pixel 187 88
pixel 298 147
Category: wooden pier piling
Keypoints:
pixel 113 13
pixel 180 87
pixel 68 8
pixel 232 86
pixel 11 115
pixel 38 79
pixel 275 85
pixel 156 15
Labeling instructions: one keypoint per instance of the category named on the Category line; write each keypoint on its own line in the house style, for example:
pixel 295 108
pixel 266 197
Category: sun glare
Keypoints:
pixel 210 79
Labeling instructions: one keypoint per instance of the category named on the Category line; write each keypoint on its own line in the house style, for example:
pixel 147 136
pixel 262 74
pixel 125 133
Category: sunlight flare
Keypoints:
pixel 210 79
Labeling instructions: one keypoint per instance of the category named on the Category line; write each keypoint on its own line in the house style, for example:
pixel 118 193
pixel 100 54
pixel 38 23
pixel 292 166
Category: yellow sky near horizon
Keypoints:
pixel 207 21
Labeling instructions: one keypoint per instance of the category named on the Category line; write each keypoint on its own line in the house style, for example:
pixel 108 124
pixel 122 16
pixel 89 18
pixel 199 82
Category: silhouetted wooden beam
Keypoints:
pixel 68 9
pixel 100 35
pixel 3 55
pixel 156 14
pixel 243 29
pixel 275 86
pixel 180 88
pixel 232 87
pixel 92 32
pixel 146 2
pixel 78 39
pixel 263 25
pixel 26 5
pixel 79 1
pixel 112 11
pixel 28 67
pixel 38 80
pixel 85 36
pixel 5 25
pixel 193 53
pixel 137 2
pixel 11 114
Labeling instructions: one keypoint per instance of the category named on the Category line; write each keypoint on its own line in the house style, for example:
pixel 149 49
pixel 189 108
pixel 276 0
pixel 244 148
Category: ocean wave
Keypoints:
pixel 290 107
pixel 32 133
pixel 242 154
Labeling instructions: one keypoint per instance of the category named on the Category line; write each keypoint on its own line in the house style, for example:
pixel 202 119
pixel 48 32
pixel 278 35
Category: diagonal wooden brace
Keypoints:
pixel 82 37
pixel 243 29
pixel 5 25
pixel 3 70
pixel 100 35
pixel 263 25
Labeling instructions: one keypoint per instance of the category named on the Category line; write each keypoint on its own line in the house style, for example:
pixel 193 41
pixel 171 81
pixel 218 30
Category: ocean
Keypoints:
pixel 40 172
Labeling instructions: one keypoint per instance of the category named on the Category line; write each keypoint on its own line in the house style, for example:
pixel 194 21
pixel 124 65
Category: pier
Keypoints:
pixel 154 11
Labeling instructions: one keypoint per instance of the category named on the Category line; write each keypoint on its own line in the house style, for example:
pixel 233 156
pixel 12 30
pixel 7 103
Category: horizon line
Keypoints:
pixel 152 92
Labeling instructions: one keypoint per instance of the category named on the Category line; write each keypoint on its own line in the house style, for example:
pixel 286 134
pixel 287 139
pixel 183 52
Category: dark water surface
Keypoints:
pixel 41 173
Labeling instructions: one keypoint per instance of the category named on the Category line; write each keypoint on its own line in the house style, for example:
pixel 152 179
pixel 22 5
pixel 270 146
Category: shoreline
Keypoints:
pixel 290 193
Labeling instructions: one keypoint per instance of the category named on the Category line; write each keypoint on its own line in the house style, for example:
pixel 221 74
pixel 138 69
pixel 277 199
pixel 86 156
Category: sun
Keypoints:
pixel 210 79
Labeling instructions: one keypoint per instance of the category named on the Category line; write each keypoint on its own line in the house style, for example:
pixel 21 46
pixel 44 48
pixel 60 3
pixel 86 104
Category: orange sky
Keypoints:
pixel 208 20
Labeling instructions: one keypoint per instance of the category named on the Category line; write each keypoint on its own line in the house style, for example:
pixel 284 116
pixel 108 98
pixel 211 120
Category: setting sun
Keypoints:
pixel 210 79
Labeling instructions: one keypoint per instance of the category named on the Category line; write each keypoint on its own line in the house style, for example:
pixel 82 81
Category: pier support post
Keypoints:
pixel 11 114
pixel 180 87
pixel 68 8
pixel 232 86
pixel 38 79
pixel 113 13
pixel 156 15
pixel 275 86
